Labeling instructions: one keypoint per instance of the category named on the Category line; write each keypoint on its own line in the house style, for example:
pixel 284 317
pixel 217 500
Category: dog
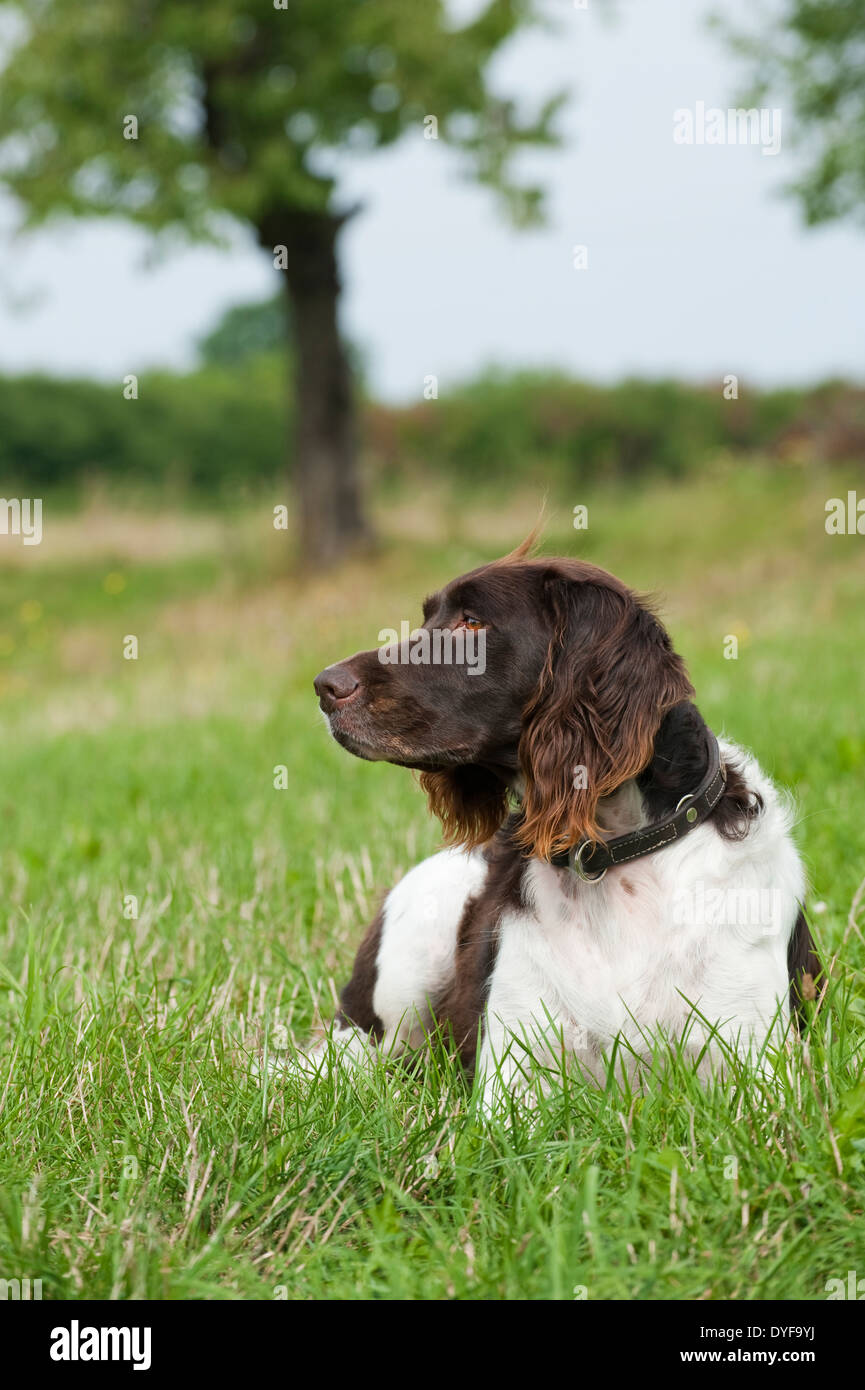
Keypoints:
pixel 613 874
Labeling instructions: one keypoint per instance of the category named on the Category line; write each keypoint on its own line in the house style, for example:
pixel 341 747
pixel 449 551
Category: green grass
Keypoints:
pixel 142 1153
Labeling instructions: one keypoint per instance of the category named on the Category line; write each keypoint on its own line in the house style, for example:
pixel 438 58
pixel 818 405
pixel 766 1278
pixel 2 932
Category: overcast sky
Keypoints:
pixel 697 266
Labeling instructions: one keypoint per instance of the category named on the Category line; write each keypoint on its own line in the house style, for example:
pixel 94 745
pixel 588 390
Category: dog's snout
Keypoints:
pixel 333 685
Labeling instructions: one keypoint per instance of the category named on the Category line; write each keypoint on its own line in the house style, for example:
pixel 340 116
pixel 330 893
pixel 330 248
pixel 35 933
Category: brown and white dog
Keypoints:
pixel 580 728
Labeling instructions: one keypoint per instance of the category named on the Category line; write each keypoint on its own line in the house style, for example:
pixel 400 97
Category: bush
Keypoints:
pixel 222 429
pixel 212 429
pixel 530 424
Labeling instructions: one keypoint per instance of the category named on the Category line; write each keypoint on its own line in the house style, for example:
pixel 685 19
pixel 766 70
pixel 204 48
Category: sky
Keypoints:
pixel 697 266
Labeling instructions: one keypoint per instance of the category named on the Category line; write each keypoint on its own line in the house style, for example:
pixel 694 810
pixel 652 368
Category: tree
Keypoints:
pixel 245 331
pixel 184 116
pixel 813 51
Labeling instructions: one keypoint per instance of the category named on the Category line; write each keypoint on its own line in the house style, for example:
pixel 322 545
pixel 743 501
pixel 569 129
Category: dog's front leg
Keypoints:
pixel 405 963
pixel 523 1037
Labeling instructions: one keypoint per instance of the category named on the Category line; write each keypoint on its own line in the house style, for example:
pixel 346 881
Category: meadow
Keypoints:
pixel 171 920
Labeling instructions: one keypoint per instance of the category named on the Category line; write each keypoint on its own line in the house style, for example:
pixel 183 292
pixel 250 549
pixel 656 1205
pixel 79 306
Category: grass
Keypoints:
pixel 144 1153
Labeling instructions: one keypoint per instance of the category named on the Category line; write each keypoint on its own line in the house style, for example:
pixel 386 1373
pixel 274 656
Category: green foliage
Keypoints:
pixel 261 329
pixel 245 331
pixel 241 110
pixel 811 53
pixel 210 430
pixel 525 424
pixel 216 430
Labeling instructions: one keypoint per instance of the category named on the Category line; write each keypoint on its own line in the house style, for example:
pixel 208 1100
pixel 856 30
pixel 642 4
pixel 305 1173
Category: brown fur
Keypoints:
pixel 804 968
pixel 602 696
pixel 470 802
pixel 461 1008
pixel 608 678
pixel 356 999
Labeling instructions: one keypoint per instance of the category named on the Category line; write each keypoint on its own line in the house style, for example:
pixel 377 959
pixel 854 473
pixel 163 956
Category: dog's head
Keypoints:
pixel 575 677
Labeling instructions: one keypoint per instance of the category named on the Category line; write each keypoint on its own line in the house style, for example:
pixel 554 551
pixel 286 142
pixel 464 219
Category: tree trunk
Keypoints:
pixel 327 485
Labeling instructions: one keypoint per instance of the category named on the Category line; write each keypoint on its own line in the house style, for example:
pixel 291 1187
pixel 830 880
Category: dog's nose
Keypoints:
pixel 334 684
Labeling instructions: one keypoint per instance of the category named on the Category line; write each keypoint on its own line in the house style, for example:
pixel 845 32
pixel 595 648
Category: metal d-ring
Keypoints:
pixel 691 815
pixel 578 864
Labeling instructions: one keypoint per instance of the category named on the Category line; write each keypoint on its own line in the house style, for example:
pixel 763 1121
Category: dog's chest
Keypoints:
pixel 606 952
pixel 638 951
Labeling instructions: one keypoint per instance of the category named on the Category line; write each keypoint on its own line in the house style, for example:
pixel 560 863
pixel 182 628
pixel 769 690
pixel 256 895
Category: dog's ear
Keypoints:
pixel 470 802
pixel 610 676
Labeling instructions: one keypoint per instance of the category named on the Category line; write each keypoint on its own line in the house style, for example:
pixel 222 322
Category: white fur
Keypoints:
pixel 418 941
pixel 599 962
pixel 650 950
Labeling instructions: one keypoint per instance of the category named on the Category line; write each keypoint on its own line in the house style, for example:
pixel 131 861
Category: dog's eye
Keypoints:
pixel 469 620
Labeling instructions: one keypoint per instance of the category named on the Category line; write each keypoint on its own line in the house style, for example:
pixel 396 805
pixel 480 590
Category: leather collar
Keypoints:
pixel 590 859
